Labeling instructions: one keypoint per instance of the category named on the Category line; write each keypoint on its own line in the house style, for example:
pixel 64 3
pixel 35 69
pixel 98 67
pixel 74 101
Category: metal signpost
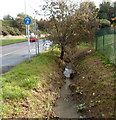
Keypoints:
pixel 37 41
pixel 27 22
pixel 36 34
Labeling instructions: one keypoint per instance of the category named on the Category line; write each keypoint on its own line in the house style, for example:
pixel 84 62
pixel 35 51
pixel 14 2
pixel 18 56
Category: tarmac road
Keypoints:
pixel 13 54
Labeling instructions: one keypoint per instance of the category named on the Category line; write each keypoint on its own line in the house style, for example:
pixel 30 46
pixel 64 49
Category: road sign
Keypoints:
pixel 27 20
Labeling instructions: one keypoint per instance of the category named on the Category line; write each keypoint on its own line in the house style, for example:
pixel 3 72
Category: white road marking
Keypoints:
pixel 11 52
pixel 1 55
pixel 10 46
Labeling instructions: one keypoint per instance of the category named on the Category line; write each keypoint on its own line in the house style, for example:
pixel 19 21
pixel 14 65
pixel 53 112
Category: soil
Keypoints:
pixel 93 85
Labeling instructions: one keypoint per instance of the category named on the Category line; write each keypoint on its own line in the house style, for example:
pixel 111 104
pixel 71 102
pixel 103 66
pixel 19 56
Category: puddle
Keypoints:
pixel 65 106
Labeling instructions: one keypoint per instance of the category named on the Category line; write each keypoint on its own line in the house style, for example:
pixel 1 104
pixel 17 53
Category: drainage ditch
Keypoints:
pixel 65 105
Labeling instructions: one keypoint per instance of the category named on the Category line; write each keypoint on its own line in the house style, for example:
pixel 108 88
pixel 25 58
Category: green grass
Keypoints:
pixel 19 82
pixel 14 40
pixel 105 61
pixel 84 45
pixel 14 92
pixel 27 75
pixel 11 41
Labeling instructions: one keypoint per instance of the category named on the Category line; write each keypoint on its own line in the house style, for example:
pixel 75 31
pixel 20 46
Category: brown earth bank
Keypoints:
pixel 94 85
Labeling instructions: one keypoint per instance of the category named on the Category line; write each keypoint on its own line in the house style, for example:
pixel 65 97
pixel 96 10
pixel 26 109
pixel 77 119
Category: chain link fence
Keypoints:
pixel 106 43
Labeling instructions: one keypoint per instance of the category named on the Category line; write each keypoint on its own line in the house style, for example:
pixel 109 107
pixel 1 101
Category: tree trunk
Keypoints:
pixel 62 53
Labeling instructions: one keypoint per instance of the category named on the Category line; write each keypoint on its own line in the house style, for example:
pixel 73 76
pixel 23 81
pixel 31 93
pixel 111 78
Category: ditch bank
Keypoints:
pixel 86 95
pixel 93 86
pixel 31 89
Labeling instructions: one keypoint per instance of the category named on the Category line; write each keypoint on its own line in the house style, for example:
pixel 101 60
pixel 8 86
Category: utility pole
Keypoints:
pixel 36 30
pixel 25 16
pixel 36 34
pixel 38 40
pixel 25 6
pixel 28 27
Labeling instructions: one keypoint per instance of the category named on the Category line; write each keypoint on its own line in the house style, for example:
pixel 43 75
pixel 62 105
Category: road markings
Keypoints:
pixel 11 52
pixel 12 46
pixel 31 50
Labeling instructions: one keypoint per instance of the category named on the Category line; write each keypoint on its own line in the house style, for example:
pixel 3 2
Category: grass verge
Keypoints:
pixel 30 89
pixel 11 41
pixel 14 40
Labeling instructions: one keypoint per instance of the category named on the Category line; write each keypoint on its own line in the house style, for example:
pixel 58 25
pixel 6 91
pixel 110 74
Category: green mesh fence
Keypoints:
pixel 106 43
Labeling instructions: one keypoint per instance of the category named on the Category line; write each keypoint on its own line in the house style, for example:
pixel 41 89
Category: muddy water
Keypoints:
pixel 65 106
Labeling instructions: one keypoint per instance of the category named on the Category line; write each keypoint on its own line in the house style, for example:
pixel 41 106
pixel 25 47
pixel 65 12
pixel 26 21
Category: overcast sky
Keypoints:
pixel 13 7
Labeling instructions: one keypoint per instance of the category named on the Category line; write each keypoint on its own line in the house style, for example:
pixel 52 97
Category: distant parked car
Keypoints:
pixel 33 39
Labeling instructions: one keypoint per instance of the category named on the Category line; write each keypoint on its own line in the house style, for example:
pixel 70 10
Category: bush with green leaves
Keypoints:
pixel 104 23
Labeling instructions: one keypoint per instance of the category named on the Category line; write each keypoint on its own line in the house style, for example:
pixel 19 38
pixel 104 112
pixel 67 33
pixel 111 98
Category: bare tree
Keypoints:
pixel 69 23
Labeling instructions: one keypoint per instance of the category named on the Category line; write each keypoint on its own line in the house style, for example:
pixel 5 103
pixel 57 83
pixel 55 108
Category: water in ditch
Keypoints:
pixel 65 105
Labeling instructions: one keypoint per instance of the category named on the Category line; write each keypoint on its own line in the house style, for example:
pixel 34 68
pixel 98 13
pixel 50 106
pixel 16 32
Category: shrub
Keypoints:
pixel 104 23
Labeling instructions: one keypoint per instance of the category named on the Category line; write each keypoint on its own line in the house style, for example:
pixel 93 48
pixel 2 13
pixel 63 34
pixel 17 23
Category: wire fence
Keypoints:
pixel 106 43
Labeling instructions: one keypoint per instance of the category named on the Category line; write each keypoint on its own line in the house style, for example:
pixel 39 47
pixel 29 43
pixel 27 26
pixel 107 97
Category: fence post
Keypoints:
pixel 96 43
pixel 103 40
pixel 114 46
pixel 114 52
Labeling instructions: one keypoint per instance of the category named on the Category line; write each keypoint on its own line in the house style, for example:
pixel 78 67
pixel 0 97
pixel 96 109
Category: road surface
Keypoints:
pixel 13 54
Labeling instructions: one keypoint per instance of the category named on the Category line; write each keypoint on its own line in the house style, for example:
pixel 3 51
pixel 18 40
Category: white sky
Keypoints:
pixel 13 7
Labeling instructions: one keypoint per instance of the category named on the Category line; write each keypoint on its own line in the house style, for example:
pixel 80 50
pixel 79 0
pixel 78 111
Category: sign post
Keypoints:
pixel 35 31
pixel 27 22
pixel 37 40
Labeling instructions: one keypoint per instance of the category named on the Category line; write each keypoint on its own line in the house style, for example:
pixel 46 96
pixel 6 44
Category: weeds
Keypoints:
pixel 29 83
pixel 104 83
pixel 105 61
pixel 82 116
pixel 79 91
pixel 81 107
pixel 84 45
pixel 114 75
pixel 111 114
pixel 94 103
